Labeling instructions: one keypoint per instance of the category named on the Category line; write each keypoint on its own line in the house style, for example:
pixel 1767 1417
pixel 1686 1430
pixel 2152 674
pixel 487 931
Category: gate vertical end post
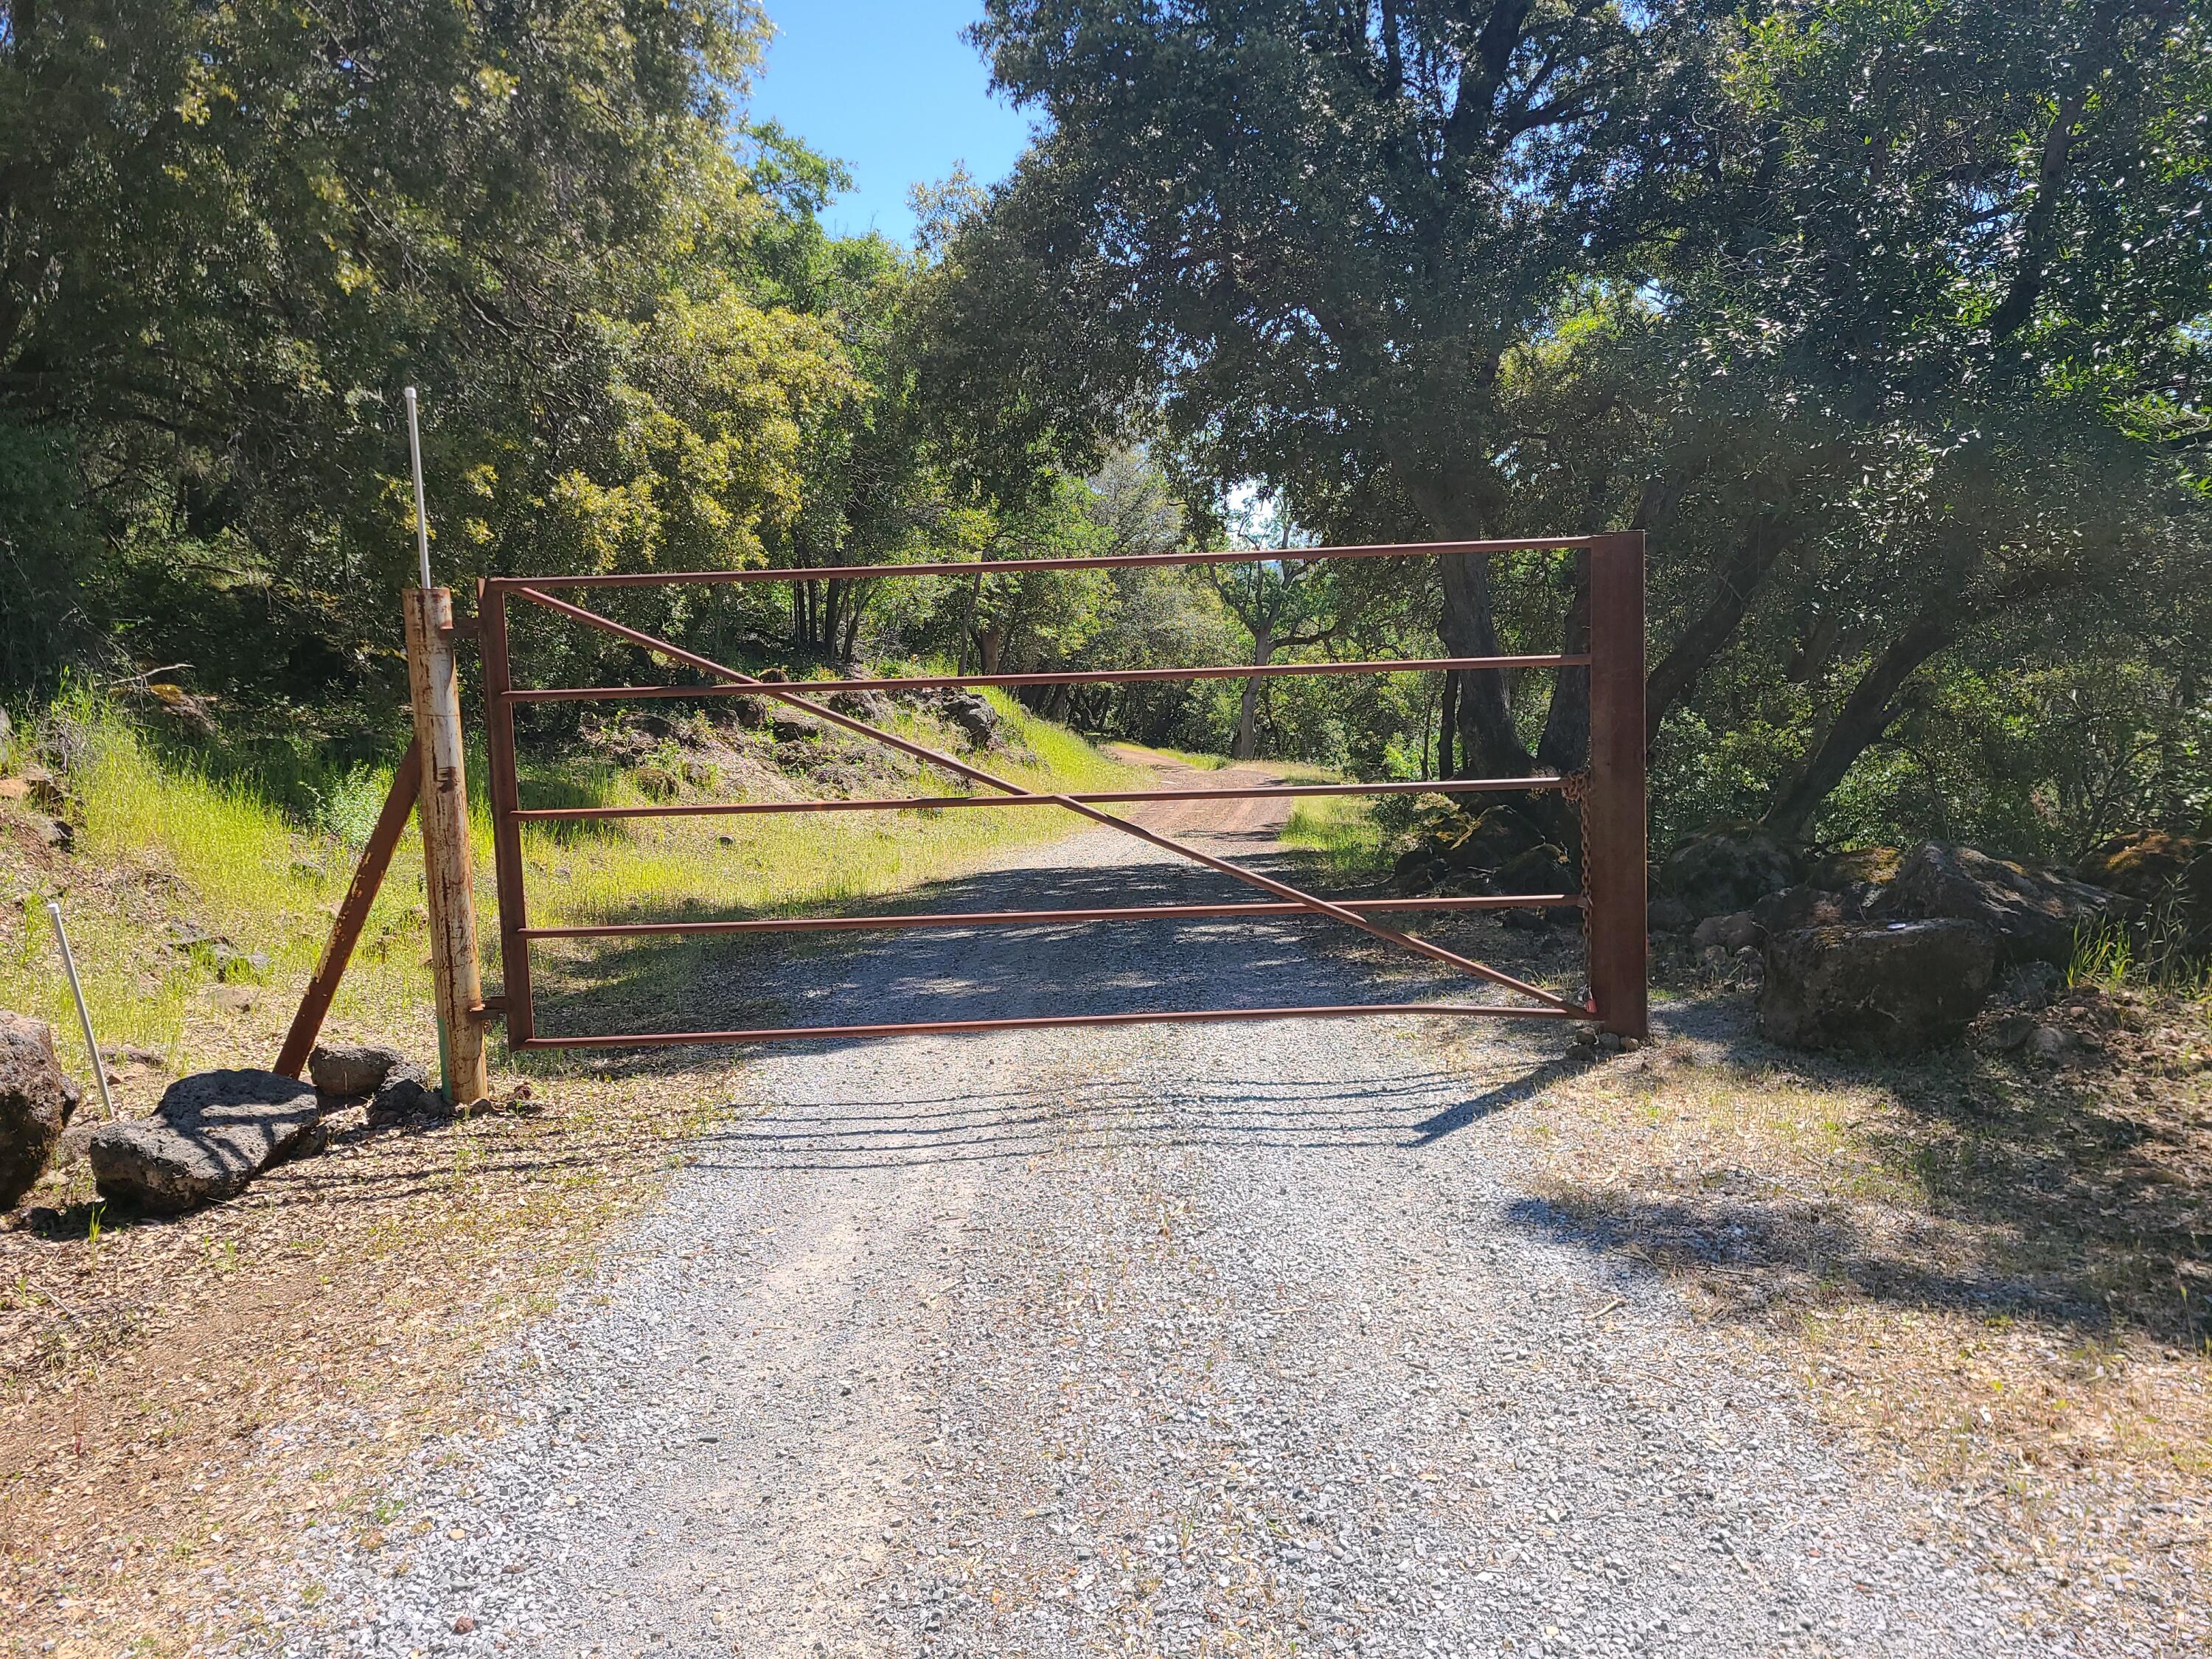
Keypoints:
pixel 442 809
pixel 1615 848
pixel 506 829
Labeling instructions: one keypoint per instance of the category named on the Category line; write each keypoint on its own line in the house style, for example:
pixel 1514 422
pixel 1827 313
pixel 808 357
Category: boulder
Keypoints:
pixel 1724 871
pixel 976 719
pixel 1730 933
pixel 2160 871
pixel 357 1068
pixel 1494 839
pixel 211 1134
pixel 1845 868
pixel 406 1097
pixel 1541 869
pixel 37 1100
pixel 1806 906
pixel 1412 873
pixel 869 706
pixel 1670 916
pixel 2035 916
pixel 1895 986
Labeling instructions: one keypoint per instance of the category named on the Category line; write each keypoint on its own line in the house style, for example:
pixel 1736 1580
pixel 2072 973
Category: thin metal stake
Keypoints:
pixel 421 514
pixel 83 1014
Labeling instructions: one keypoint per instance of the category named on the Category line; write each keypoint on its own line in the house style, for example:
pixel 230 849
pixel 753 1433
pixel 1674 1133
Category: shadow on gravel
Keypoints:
pixel 1327 1114
pixel 898 975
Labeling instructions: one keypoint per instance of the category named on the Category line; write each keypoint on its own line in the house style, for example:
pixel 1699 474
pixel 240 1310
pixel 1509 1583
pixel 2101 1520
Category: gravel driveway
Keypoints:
pixel 1175 1340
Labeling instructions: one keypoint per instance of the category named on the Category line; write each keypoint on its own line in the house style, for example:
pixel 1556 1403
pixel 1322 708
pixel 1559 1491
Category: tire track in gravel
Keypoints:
pixel 1171 1339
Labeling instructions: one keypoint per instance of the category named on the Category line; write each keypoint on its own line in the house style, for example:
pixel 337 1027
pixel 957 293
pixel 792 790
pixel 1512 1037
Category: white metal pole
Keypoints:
pixel 83 1014
pixel 421 515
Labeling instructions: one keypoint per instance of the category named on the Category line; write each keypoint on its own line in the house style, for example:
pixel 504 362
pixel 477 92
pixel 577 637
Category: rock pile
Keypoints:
pixel 1836 942
pixel 1501 850
pixel 396 1089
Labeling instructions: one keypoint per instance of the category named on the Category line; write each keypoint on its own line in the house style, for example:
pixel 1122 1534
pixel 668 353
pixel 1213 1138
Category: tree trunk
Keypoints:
pixel 851 640
pixel 990 646
pixel 1677 672
pixel 1565 746
pixel 1246 743
pixel 1489 746
pixel 1448 723
pixel 1865 715
pixel 968 619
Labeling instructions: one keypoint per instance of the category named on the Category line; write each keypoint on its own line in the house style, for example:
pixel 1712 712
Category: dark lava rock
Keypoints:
pixel 1806 906
pixel 1840 871
pixel 976 719
pixel 1724 871
pixel 1496 838
pixel 2035 916
pixel 406 1097
pixel 1739 932
pixel 37 1100
pixel 2161 872
pixel 1540 869
pixel 1895 986
pixel 343 1068
pixel 211 1134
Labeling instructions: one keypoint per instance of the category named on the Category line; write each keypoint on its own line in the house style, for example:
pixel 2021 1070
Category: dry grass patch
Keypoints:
pixel 1990 1273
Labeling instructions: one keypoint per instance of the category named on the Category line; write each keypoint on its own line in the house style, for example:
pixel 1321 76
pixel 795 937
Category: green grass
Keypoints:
pixel 780 863
pixel 2111 954
pixel 159 841
pixel 1343 830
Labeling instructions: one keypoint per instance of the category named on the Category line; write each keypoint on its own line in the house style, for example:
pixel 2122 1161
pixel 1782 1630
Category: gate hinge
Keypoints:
pixel 490 1008
pixel 461 628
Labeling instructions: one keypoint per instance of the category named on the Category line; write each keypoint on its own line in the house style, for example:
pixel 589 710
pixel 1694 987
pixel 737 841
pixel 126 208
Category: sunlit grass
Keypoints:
pixel 158 843
pixel 1343 830
pixel 775 863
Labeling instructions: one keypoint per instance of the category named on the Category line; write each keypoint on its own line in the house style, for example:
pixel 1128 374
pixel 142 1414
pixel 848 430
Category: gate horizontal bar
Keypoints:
pixel 1033 917
pixel 1022 566
pixel 1070 676
pixel 934 803
pixel 928 1027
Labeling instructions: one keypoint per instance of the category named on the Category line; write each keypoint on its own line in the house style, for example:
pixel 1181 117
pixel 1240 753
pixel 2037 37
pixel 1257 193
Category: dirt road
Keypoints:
pixel 1171 1339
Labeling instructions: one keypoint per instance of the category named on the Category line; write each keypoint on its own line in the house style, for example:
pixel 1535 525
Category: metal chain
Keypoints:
pixel 1576 788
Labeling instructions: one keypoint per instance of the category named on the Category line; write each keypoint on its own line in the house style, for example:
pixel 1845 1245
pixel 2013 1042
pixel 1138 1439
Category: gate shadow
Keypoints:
pixel 749 980
pixel 1407 1112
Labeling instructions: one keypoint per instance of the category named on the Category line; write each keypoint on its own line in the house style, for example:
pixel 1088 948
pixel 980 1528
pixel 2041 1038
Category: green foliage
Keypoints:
pixel 1887 320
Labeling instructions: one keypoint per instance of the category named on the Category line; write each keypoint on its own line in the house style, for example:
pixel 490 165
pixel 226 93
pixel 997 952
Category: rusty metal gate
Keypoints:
pixel 1609 791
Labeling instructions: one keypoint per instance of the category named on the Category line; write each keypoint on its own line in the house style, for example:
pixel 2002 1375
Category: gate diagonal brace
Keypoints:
pixel 975 774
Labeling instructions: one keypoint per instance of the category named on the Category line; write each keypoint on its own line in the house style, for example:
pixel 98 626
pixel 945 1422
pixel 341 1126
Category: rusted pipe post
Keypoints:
pixel 353 914
pixel 1613 831
pixel 442 807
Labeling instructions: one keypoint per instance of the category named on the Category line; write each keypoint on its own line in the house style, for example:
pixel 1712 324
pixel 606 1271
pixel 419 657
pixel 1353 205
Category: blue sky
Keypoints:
pixel 888 87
